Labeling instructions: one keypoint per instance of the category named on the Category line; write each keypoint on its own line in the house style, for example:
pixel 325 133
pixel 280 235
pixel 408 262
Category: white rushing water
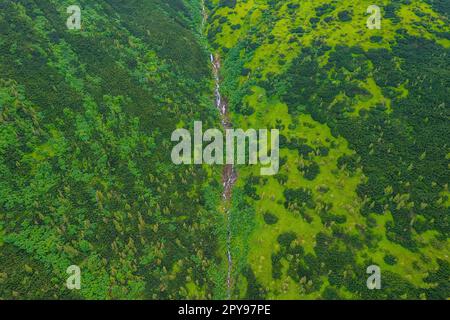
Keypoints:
pixel 229 175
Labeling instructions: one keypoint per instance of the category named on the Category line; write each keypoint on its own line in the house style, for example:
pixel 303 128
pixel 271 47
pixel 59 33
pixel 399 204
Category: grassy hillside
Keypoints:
pixel 365 144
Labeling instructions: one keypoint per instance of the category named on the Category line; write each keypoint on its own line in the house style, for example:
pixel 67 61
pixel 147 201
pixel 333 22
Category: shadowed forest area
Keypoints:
pixel 86 175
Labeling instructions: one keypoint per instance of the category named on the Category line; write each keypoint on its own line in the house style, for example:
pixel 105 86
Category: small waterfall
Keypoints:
pixel 229 175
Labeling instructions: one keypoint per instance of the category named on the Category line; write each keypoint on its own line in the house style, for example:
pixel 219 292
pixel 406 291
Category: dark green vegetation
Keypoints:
pixel 85 171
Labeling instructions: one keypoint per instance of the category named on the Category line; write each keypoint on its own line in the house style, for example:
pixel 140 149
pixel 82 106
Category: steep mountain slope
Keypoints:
pixel 364 120
pixel 86 177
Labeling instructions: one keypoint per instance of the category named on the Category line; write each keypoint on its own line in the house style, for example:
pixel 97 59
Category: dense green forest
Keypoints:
pixel 86 176
pixel 85 171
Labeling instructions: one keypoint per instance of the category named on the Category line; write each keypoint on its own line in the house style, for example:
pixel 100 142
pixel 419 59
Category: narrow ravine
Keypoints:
pixel 229 175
